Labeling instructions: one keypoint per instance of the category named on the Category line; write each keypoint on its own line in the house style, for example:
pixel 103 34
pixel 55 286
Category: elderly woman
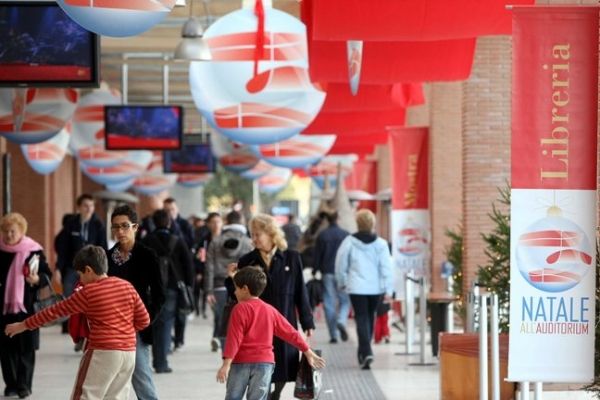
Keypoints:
pixel 18 288
pixel 363 268
pixel 285 291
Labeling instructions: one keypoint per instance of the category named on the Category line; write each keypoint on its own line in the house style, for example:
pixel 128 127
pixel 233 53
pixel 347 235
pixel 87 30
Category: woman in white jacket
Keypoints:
pixel 363 268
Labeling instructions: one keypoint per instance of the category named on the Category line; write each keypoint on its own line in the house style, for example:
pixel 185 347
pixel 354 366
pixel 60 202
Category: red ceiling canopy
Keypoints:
pixel 398 20
pixel 372 97
pixel 391 62
pixel 353 122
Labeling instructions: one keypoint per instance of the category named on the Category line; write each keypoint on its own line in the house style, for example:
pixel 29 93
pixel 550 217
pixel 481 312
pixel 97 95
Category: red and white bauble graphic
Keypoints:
pixel 233 156
pixel 117 18
pixel 35 115
pixel 412 239
pixel 554 254
pixel 87 143
pixel 45 157
pixel 328 168
pixel 300 151
pixel 273 104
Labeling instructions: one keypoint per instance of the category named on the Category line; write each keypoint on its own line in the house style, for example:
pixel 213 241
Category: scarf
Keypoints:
pixel 15 281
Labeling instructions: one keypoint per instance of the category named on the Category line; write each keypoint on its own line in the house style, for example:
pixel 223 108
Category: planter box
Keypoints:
pixel 459 367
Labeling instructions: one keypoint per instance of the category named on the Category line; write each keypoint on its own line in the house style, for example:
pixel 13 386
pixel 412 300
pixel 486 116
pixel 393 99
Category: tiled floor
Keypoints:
pixel 195 368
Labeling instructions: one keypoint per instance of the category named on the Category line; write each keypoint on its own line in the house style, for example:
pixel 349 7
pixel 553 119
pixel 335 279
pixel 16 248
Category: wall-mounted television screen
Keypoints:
pixel 41 46
pixel 194 157
pixel 143 127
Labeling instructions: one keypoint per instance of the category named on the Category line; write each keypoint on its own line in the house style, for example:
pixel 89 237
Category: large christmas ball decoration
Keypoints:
pixel 194 180
pixel 45 157
pixel 153 180
pixel 554 254
pixel 297 152
pixel 234 157
pixel 259 170
pixel 117 18
pixel 274 104
pixel 121 186
pixel 275 181
pixel 134 165
pixel 35 115
pixel 328 168
pixel 87 142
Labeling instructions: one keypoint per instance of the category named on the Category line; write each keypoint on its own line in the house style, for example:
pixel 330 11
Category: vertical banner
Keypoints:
pixel 411 227
pixel 364 178
pixel 553 204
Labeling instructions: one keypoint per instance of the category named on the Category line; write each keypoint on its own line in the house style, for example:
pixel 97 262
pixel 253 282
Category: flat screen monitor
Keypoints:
pixel 143 127
pixel 41 46
pixel 192 158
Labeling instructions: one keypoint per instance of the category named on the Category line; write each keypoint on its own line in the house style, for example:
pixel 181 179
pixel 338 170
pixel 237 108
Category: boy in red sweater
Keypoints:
pixel 114 311
pixel 248 359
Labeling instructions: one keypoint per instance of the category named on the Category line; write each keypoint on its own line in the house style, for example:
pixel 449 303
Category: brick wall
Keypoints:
pixel 445 170
pixel 486 144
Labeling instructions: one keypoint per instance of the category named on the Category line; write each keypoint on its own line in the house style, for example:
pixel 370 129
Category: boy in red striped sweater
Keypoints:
pixel 114 311
pixel 248 359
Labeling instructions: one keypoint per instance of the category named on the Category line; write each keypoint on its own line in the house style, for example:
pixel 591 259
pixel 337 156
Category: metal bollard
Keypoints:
pixel 524 390
pixel 495 339
pixel 409 317
pixel 483 300
pixel 483 348
pixel 537 390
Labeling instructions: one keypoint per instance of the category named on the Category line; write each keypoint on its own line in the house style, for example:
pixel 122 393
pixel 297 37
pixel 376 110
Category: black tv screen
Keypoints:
pixel 137 127
pixel 192 158
pixel 41 46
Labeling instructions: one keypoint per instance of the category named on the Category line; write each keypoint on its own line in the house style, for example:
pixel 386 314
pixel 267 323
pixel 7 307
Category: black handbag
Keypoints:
pixel 308 380
pixel 46 297
pixel 185 298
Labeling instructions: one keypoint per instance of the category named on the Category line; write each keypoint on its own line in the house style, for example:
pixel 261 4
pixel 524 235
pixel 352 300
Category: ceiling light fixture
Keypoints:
pixel 192 47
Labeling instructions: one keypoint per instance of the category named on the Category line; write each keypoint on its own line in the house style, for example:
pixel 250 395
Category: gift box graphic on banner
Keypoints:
pixel 117 18
pixel 259 102
pixel 35 115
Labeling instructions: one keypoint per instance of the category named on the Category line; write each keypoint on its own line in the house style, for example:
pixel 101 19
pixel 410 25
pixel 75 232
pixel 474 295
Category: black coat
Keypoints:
pixel 142 271
pixel 287 293
pixel 30 293
pixel 69 240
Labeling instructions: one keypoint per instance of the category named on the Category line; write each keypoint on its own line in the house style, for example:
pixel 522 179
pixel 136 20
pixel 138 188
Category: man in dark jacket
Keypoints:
pixel 138 264
pixel 326 248
pixel 222 251
pixel 78 230
pixel 182 228
pixel 174 250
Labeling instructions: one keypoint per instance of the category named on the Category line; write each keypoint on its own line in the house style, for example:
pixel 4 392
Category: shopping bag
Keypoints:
pixel 308 380
pixel 46 297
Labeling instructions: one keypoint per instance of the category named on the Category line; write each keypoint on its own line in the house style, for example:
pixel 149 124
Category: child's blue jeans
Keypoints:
pixel 254 376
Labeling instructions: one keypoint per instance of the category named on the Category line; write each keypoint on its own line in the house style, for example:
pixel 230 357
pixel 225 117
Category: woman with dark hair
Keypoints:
pixel 285 291
pixel 23 269
pixel 136 263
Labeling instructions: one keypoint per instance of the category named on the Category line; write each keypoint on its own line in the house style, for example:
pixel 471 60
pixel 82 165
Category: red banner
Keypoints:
pixel 409 148
pixel 363 177
pixel 555 97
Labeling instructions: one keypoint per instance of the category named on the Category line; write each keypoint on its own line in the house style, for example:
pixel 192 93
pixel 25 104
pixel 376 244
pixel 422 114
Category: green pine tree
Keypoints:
pixel 454 255
pixel 495 275
pixel 594 387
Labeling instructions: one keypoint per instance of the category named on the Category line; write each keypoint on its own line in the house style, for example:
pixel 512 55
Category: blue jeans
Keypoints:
pixel 161 330
pixel 364 314
pixel 334 313
pixel 256 377
pixel 220 301
pixel 142 382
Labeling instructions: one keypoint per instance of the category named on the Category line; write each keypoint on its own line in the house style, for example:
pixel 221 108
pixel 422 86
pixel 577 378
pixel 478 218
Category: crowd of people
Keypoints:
pixel 133 299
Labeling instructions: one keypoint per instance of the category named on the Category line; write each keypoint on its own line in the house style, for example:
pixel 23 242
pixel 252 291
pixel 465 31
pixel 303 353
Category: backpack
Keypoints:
pixel 165 261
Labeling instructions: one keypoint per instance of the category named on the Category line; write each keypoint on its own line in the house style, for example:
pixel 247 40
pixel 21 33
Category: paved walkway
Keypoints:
pixel 195 368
